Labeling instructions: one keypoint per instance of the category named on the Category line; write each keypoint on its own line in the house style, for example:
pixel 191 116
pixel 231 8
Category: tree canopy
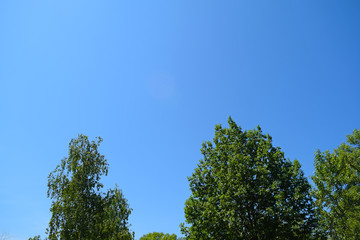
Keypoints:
pixel 80 210
pixel 159 236
pixel 337 189
pixel 244 188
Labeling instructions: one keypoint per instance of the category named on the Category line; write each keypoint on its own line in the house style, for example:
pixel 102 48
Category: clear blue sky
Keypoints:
pixel 152 78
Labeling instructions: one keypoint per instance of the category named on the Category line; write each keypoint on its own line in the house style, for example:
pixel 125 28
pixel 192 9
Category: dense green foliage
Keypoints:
pixel 159 236
pixel 79 209
pixel 337 189
pixel 244 188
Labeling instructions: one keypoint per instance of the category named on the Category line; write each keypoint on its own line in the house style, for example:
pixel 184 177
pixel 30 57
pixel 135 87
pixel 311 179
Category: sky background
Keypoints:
pixel 152 78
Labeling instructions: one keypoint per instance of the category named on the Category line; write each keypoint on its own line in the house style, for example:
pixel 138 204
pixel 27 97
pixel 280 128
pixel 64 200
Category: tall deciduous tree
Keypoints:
pixel 337 189
pixel 80 210
pixel 244 188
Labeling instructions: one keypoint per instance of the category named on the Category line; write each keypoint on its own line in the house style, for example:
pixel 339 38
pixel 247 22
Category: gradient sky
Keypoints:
pixel 152 78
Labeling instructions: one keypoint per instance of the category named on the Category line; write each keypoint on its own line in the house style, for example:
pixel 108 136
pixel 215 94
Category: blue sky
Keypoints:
pixel 152 78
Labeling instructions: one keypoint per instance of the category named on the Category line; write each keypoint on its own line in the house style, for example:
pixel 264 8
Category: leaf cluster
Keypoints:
pixel 337 189
pixel 80 210
pixel 244 188
pixel 159 236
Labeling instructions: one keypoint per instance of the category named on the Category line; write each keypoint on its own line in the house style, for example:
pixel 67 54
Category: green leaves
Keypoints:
pixel 337 189
pixel 35 238
pixel 159 236
pixel 79 209
pixel 244 188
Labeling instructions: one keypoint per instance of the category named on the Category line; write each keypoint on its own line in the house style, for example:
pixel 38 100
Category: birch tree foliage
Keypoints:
pixel 80 210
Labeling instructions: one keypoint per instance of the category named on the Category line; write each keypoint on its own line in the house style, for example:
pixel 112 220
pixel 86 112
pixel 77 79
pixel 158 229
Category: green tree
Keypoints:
pixel 35 238
pixel 159 236
pixel 244 188
pixel 80 210
pixel 337 189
